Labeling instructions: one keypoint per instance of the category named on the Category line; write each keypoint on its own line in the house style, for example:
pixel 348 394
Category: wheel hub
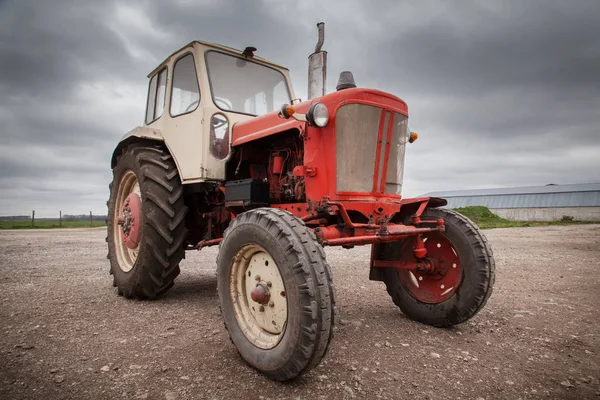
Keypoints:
pixel 438 275
pixel 262 275
pixel 129 220
pixel 259 296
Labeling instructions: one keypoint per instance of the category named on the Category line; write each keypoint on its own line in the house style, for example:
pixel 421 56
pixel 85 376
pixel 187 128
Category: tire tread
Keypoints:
pixel 164 230
pixel 484 267
pixel 307 259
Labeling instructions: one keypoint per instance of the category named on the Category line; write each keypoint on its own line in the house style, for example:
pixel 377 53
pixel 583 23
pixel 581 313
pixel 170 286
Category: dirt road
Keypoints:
pixel 64 333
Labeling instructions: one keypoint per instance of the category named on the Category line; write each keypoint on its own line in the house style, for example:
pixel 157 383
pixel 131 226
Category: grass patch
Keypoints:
pixel 486 219
pixel 480 215
pixel 48 224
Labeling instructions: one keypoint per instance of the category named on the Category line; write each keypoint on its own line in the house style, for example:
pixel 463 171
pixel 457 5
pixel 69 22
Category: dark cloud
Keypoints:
pixel 50 48
pixel 502 93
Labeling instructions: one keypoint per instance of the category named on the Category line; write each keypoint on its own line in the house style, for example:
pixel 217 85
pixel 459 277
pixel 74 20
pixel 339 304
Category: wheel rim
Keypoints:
pixel 127 221
pixel 443 279
pixel 258 296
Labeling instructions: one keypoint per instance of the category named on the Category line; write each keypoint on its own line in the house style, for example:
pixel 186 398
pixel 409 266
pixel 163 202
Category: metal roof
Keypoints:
pixel 219 47
pixel 575 195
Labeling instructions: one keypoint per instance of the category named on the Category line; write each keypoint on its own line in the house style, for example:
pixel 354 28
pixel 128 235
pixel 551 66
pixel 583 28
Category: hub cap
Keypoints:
pixel 130 221
pixel 443 276
pixel 127 221
pixel 258 295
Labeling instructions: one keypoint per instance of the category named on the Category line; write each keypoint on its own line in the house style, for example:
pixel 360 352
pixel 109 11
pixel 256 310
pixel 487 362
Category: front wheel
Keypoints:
pixel 275 292
pixel 461 280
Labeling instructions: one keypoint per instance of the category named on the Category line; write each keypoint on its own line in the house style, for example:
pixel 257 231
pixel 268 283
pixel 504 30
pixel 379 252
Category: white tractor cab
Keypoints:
pixel 208 87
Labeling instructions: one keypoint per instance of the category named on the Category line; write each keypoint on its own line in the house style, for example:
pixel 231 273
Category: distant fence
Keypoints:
pixel 63 221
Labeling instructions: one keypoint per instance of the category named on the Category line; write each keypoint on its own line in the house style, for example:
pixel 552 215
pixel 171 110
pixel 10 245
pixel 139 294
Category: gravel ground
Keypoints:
pixel 66 334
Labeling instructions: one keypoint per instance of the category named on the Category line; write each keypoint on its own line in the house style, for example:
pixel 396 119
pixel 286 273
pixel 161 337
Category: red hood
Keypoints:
pixel 271 123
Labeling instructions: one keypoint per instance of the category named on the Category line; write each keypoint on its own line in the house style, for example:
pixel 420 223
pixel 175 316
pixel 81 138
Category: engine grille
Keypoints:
pixel 357 131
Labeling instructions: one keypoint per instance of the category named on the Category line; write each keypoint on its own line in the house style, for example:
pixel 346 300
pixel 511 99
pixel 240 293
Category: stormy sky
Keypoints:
pixel 502 93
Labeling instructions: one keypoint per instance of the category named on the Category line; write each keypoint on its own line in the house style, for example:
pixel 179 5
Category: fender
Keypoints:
pixel 432 202
pixel 136 134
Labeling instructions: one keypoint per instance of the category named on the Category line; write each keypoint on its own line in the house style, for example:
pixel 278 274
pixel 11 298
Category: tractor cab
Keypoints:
pixel 200 92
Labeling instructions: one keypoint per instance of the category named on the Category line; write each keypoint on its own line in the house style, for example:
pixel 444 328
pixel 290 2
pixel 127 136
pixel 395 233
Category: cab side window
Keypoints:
pixel 185 93
pixel 156 96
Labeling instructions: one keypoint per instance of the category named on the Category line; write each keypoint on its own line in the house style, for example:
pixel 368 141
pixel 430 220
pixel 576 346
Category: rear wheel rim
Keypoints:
pixel 128 187
pixel 442 282
pixel 263 322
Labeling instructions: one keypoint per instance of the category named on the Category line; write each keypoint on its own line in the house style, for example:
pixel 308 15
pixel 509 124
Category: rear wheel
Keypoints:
pixel 275 292
pixel 460 281
pixel 145 222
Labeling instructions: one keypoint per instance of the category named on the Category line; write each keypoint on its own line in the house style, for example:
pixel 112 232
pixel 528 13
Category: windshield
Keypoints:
pixel 244 86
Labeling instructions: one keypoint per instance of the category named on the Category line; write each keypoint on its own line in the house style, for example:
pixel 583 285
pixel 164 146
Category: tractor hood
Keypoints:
pixel 265 125
pixel 272 123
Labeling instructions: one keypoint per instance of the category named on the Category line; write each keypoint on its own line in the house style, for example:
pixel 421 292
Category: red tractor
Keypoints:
pixel 228 156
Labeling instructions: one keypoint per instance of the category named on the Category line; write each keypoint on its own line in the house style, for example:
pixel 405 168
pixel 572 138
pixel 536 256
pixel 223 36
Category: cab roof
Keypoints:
pixel 218 47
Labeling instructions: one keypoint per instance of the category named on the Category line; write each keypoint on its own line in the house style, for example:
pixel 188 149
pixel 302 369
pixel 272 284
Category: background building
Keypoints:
pixel 532 203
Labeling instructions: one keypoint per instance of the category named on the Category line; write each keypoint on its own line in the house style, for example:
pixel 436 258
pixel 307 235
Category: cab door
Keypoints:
pixel 185 124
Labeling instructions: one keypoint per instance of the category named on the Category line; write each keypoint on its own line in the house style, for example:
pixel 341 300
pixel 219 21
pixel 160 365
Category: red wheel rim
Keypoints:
pixel 130 221
pixel 441 283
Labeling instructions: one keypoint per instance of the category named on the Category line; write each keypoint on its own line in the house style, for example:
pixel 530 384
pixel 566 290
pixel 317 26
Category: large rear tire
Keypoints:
pixel 146 228
pixel 275 291
pixel 464 276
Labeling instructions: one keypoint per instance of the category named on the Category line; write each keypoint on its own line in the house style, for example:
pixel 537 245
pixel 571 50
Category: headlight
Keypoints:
pixel 318 115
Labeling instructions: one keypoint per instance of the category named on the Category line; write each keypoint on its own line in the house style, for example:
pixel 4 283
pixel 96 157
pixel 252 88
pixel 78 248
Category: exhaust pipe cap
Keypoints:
pixel 346 81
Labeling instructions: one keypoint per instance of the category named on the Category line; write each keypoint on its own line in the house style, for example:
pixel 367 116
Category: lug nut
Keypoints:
pixel 261 309
pixel 257 278
pixel 271 304
pixel 269 284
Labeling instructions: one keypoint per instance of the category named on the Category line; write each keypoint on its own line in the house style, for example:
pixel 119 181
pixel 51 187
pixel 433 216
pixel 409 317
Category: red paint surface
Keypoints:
pixel 278 164
pixel 324 203
pixel 378 151
pixel 387 152
pixel 272 123
pixel 135 210
pixel 442 258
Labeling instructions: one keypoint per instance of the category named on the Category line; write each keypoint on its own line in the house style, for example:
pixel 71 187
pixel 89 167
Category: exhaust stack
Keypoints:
pixel 317 67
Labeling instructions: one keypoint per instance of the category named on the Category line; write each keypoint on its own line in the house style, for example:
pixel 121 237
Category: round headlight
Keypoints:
pixel 318 115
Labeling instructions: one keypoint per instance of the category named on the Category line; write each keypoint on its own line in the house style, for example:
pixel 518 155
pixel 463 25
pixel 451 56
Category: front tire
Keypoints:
pixel 286 332
pixel 145 224
pixel 462 283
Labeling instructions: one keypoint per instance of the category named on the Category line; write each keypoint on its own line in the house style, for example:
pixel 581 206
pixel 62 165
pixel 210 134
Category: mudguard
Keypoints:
pixel 140 132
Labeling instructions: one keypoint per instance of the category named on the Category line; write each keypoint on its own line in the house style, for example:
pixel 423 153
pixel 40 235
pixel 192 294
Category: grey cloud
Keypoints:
pixel 50 47
pixel 477 48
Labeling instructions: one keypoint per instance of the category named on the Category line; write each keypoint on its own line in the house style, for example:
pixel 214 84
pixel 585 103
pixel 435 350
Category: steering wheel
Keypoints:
pixel 192 105
pixel 223 103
